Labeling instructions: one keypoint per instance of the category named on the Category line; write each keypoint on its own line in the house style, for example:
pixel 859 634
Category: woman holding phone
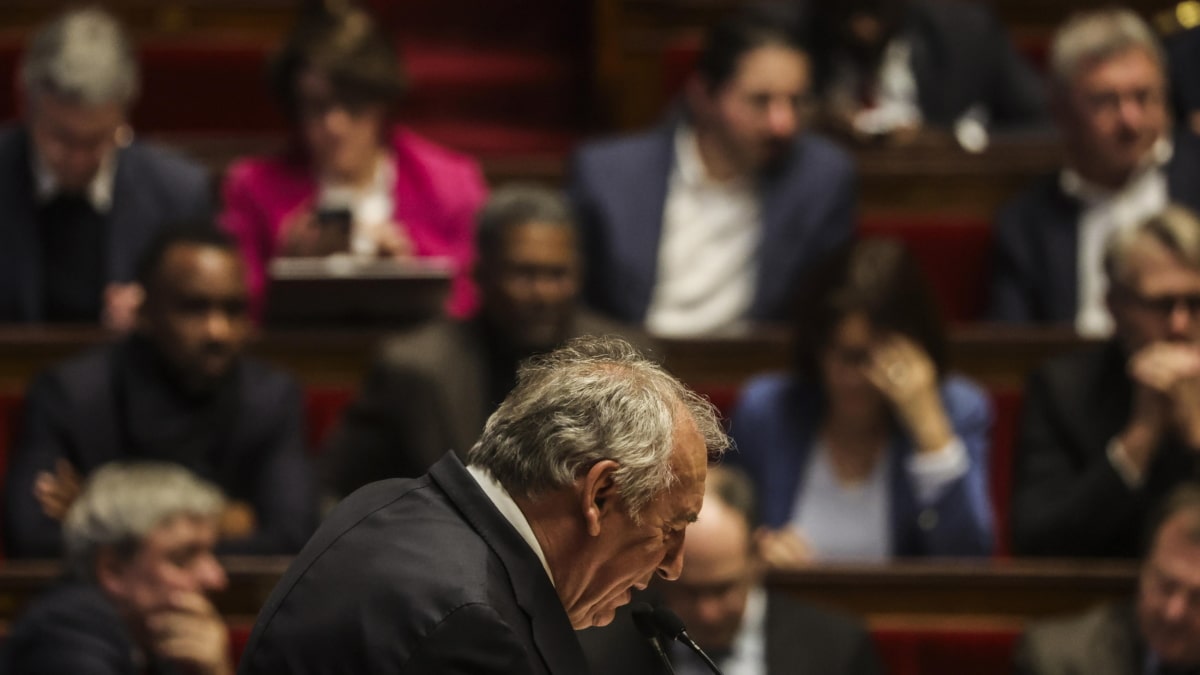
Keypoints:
pixel 351 181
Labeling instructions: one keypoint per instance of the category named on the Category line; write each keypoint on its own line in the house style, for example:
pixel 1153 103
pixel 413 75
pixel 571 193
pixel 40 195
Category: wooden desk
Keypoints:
pixel 903 593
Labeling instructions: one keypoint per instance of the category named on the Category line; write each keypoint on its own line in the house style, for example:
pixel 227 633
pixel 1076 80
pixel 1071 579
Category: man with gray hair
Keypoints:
pixel 1108 431
pixel 1123 164
pixel 578 492
pixel 431 388
pixel 1158 633
pixel 140 543
pixel 80 198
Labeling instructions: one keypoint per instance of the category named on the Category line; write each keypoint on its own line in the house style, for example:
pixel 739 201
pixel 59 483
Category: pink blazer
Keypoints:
pixel 437 193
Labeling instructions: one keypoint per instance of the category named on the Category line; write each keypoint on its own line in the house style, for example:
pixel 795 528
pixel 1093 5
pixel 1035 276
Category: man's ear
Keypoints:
pixel 110 569
pixel 599 495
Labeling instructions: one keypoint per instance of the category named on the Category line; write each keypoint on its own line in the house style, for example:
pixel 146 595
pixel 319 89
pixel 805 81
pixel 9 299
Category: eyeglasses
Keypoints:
pixel 1165 305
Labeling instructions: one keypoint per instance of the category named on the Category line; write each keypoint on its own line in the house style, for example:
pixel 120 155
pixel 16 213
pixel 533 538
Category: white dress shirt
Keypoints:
pixel 895 102
pixel 99 192
pixel 1104 212
pixel 511 512
pixel 708 253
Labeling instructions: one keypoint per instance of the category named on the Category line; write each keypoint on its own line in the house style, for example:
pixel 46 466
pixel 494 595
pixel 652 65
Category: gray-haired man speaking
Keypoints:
pixel 578 492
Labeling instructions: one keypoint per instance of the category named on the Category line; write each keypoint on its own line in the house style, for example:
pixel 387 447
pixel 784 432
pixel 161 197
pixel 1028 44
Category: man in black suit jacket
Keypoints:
pixel 141 567
pixel 890 67
pixel 577 493
pixel 179 389
pixel 80 199
pixel 720 599
pixel 1158 633
pixel 431 389
pixel 712 218
pixel 1108 431
pixel 1123 164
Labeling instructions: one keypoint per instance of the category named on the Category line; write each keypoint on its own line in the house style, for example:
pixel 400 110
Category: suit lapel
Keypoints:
pixel 1060 236
pixel 19 249
pixel 129 201
pixel 553 634
pixel 648 212
pixel 1183 172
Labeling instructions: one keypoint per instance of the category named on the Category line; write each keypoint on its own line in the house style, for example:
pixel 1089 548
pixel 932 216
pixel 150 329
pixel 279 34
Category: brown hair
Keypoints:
pixel 878 278
pixel 345 44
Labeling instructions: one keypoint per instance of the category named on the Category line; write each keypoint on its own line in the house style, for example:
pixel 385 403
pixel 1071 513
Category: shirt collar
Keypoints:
pixel 1075 185
pixel 689 165
pixel 511 512
pixel 99 192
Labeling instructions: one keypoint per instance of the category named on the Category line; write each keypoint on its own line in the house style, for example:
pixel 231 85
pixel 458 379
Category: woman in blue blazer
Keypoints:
pixel 868 451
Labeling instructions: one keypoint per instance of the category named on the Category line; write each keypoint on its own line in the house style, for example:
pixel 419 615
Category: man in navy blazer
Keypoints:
pixel 80 198
pixel 1123 165
pixel 710 219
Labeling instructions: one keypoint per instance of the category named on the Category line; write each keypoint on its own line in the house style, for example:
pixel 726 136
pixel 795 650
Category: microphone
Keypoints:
pixel 671 626
pixel 643 618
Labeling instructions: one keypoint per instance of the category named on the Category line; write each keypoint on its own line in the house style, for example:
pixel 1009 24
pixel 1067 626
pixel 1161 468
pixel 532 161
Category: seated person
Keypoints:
pixel 178 389
pixel 139 543
pixel 1122 165
pixel 80 198
pixel 1156 633
pixel 719 596
pixel 431 389
pixel 710 219
pixel 869 450
pixel 338 79
pixel 1107 431
pixel 890 68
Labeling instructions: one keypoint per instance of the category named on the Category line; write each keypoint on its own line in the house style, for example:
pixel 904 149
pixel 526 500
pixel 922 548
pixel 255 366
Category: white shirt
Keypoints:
pixel 372 206
pixel 99 192
pixel 1105 212
pixel 748 653
pixel 511 512
pixel 853 522
pixel 708 253
pixel 895 95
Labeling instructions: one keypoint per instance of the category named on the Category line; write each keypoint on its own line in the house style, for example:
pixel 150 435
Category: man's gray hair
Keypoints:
pixel 83 55
pixel 595 398
pixel 1176 228
pixel 1091 37
pixel 121 503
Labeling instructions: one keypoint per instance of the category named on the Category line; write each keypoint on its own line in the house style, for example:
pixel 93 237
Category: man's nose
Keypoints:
pixel 672 563
pixel 782 118
pixel 211 575
pixel 1180 320
pixel 217 326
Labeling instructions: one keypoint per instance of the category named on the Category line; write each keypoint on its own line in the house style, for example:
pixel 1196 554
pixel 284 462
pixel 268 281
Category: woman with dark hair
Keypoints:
pixel 351 182
pixel 868 451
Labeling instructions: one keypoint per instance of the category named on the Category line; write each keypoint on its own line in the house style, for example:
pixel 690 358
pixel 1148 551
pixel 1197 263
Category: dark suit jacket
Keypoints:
pixel 152 188
pixel 800 640
pixel 429 391
pixel 73 629
pixel 619 190
pixel 961 57
pixel 1102 641
pixel 1035 273
pixel 415 576
pixel 74 412
pixel 1183 53
pixel 1068 499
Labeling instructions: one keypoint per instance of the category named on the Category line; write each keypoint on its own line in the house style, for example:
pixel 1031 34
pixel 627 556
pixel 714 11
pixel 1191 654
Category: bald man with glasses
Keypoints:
pixel 1106 432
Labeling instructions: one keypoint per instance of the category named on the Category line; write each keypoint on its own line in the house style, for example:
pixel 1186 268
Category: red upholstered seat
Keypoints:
pixel 322 409
pixel 944 650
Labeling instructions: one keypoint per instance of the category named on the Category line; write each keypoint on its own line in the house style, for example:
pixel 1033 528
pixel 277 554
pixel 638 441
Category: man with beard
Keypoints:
pixel 1108 431
pixel 178 390
pixel 1156 634
pixel 431 389
pixel 1122 165
pixel 708 220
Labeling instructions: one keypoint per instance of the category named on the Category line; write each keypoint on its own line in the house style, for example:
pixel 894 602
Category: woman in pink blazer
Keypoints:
pixel 338 79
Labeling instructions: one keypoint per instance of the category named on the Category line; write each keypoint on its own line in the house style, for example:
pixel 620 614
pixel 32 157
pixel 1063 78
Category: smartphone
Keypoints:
pixel 337 220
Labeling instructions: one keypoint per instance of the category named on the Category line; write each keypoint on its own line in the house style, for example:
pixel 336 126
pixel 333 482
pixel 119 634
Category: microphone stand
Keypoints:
pixel 643 618
pixel 672 627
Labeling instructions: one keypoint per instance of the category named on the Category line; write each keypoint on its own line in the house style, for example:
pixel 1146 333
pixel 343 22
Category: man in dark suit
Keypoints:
pixel 1123 164
pixel 432 388
pixel 178 389
pixel 889 68
pixel 141 567
pixel 719 597
pixel 80 199
pixel 710 219
pixel 1108 431
pixel 576 494
pixel 1156 634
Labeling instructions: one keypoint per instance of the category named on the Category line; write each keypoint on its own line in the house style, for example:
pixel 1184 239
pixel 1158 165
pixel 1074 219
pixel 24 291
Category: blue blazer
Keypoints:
pixel 774 424
pixel 619 190
pixel 1035 266
pixel 152 188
